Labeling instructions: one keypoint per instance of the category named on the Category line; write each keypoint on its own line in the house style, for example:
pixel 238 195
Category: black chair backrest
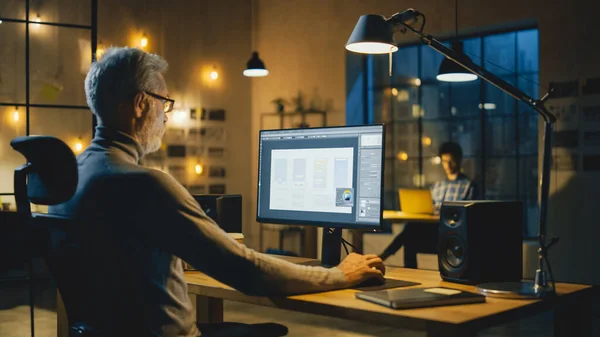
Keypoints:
pixel 51 169
pixel 50 177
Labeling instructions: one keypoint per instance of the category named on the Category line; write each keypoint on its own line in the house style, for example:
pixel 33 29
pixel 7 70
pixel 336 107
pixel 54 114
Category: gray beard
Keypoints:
pixel 150 136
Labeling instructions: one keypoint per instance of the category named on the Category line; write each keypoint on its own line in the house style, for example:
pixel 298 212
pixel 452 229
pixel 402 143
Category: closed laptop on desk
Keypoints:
pixel 420 297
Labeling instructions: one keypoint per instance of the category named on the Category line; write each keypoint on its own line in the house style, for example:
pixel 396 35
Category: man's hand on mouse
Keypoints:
pixel 359 268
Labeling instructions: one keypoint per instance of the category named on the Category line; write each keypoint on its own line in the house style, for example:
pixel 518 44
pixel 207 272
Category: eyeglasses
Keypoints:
pixel 167 102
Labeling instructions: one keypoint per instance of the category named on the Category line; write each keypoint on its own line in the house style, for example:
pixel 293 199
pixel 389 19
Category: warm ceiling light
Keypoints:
pixel 144 41
pixel 426 141
pixel 255 67
pixel 198 169
pixel 179 116
pixel 37 19
pixel 16 114
pixel 402 156
pixel 451 71
pixel 78 146
pixel 214 75
pixel 487 106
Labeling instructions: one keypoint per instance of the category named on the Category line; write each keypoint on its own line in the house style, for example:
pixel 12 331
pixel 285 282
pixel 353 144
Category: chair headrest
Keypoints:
pixel 53 176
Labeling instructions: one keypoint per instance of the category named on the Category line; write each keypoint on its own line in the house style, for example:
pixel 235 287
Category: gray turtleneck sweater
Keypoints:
pixel 135 225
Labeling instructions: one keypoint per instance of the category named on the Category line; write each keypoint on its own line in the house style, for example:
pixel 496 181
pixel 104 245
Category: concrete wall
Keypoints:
pixel 302 44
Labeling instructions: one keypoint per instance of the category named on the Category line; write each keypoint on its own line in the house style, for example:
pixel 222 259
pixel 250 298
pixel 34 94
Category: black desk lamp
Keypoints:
pixel 373 34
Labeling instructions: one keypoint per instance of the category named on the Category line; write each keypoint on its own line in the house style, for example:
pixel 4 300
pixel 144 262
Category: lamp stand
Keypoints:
pixel 539 287
pixel 524 289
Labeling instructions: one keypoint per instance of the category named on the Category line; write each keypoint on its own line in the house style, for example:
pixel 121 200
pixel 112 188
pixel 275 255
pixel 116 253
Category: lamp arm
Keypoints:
pixel 459 58
pixel 403 22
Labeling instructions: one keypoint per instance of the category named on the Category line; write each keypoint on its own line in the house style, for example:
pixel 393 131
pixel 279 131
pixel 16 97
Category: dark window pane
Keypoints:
pixel 467 133
pixel 471 167
pixel 12 9
pixel 389 144
pixel 406 173
pixel 454 112
pixel 528 50
pixel 465 99
pixel 528 133
pixel 472 48
pixel 405 103
pixel 12 63
pixel 72 126
pixel 500 53
pixel 405 63
pixel 63 11
pixel 406 139
pixel 501 179
pixel 435 100
pixel 58 71
pixel 11 126
pixel 497 102
pixel 500 136
pixel 434 134
pixel 381 106
pixel 527 84
pixel 431 60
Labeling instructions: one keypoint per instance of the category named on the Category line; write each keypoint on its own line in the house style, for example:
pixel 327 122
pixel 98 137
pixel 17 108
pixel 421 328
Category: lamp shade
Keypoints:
pixel 255 67
pixel 451 71
pixel 372 35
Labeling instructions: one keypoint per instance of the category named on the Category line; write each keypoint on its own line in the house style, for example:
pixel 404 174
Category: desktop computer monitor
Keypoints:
pixel 330 177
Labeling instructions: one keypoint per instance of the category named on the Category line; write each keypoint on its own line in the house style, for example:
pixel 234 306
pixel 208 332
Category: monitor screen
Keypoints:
pixel 330 177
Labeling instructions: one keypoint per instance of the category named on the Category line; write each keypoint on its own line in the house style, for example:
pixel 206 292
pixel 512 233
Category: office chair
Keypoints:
pixel 50 177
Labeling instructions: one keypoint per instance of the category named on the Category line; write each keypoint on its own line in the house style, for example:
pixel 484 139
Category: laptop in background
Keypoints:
pixel 415 200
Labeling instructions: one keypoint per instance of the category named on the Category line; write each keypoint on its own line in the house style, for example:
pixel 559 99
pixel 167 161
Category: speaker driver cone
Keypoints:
pixel 454 252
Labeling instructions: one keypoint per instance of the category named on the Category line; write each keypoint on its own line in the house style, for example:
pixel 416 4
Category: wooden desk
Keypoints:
pixel 573 306
pixel 403 216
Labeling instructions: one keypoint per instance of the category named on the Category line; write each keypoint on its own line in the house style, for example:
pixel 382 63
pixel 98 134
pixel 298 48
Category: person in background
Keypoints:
pixel 423 236
pixel 457 186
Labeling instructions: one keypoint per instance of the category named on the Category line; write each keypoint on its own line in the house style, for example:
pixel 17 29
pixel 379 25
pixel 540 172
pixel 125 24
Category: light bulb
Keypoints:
pixel 436 160
pixel 144 41
pixel 402 156
pixel 394 91
pixel 214 75
pixel 16 115
pixel 426 141
pixel 418 82
pixel 198 169
pixel 0 22
pixel 37 19
pixel 99 51
pixel 78 146
pixel 179 116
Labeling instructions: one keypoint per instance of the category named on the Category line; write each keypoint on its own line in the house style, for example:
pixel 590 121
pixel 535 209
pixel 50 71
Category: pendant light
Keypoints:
pixel 451 71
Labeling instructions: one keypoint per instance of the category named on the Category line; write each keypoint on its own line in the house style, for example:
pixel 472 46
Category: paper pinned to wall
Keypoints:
pixel 85 55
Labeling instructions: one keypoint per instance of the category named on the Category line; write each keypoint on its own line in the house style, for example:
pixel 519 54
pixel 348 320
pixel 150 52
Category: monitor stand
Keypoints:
pixel 330 249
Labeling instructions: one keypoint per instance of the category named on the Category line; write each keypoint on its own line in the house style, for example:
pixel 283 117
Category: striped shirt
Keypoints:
pixel 452 190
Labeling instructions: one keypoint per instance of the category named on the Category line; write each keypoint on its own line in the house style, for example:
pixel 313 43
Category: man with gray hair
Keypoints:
pixel 136 223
